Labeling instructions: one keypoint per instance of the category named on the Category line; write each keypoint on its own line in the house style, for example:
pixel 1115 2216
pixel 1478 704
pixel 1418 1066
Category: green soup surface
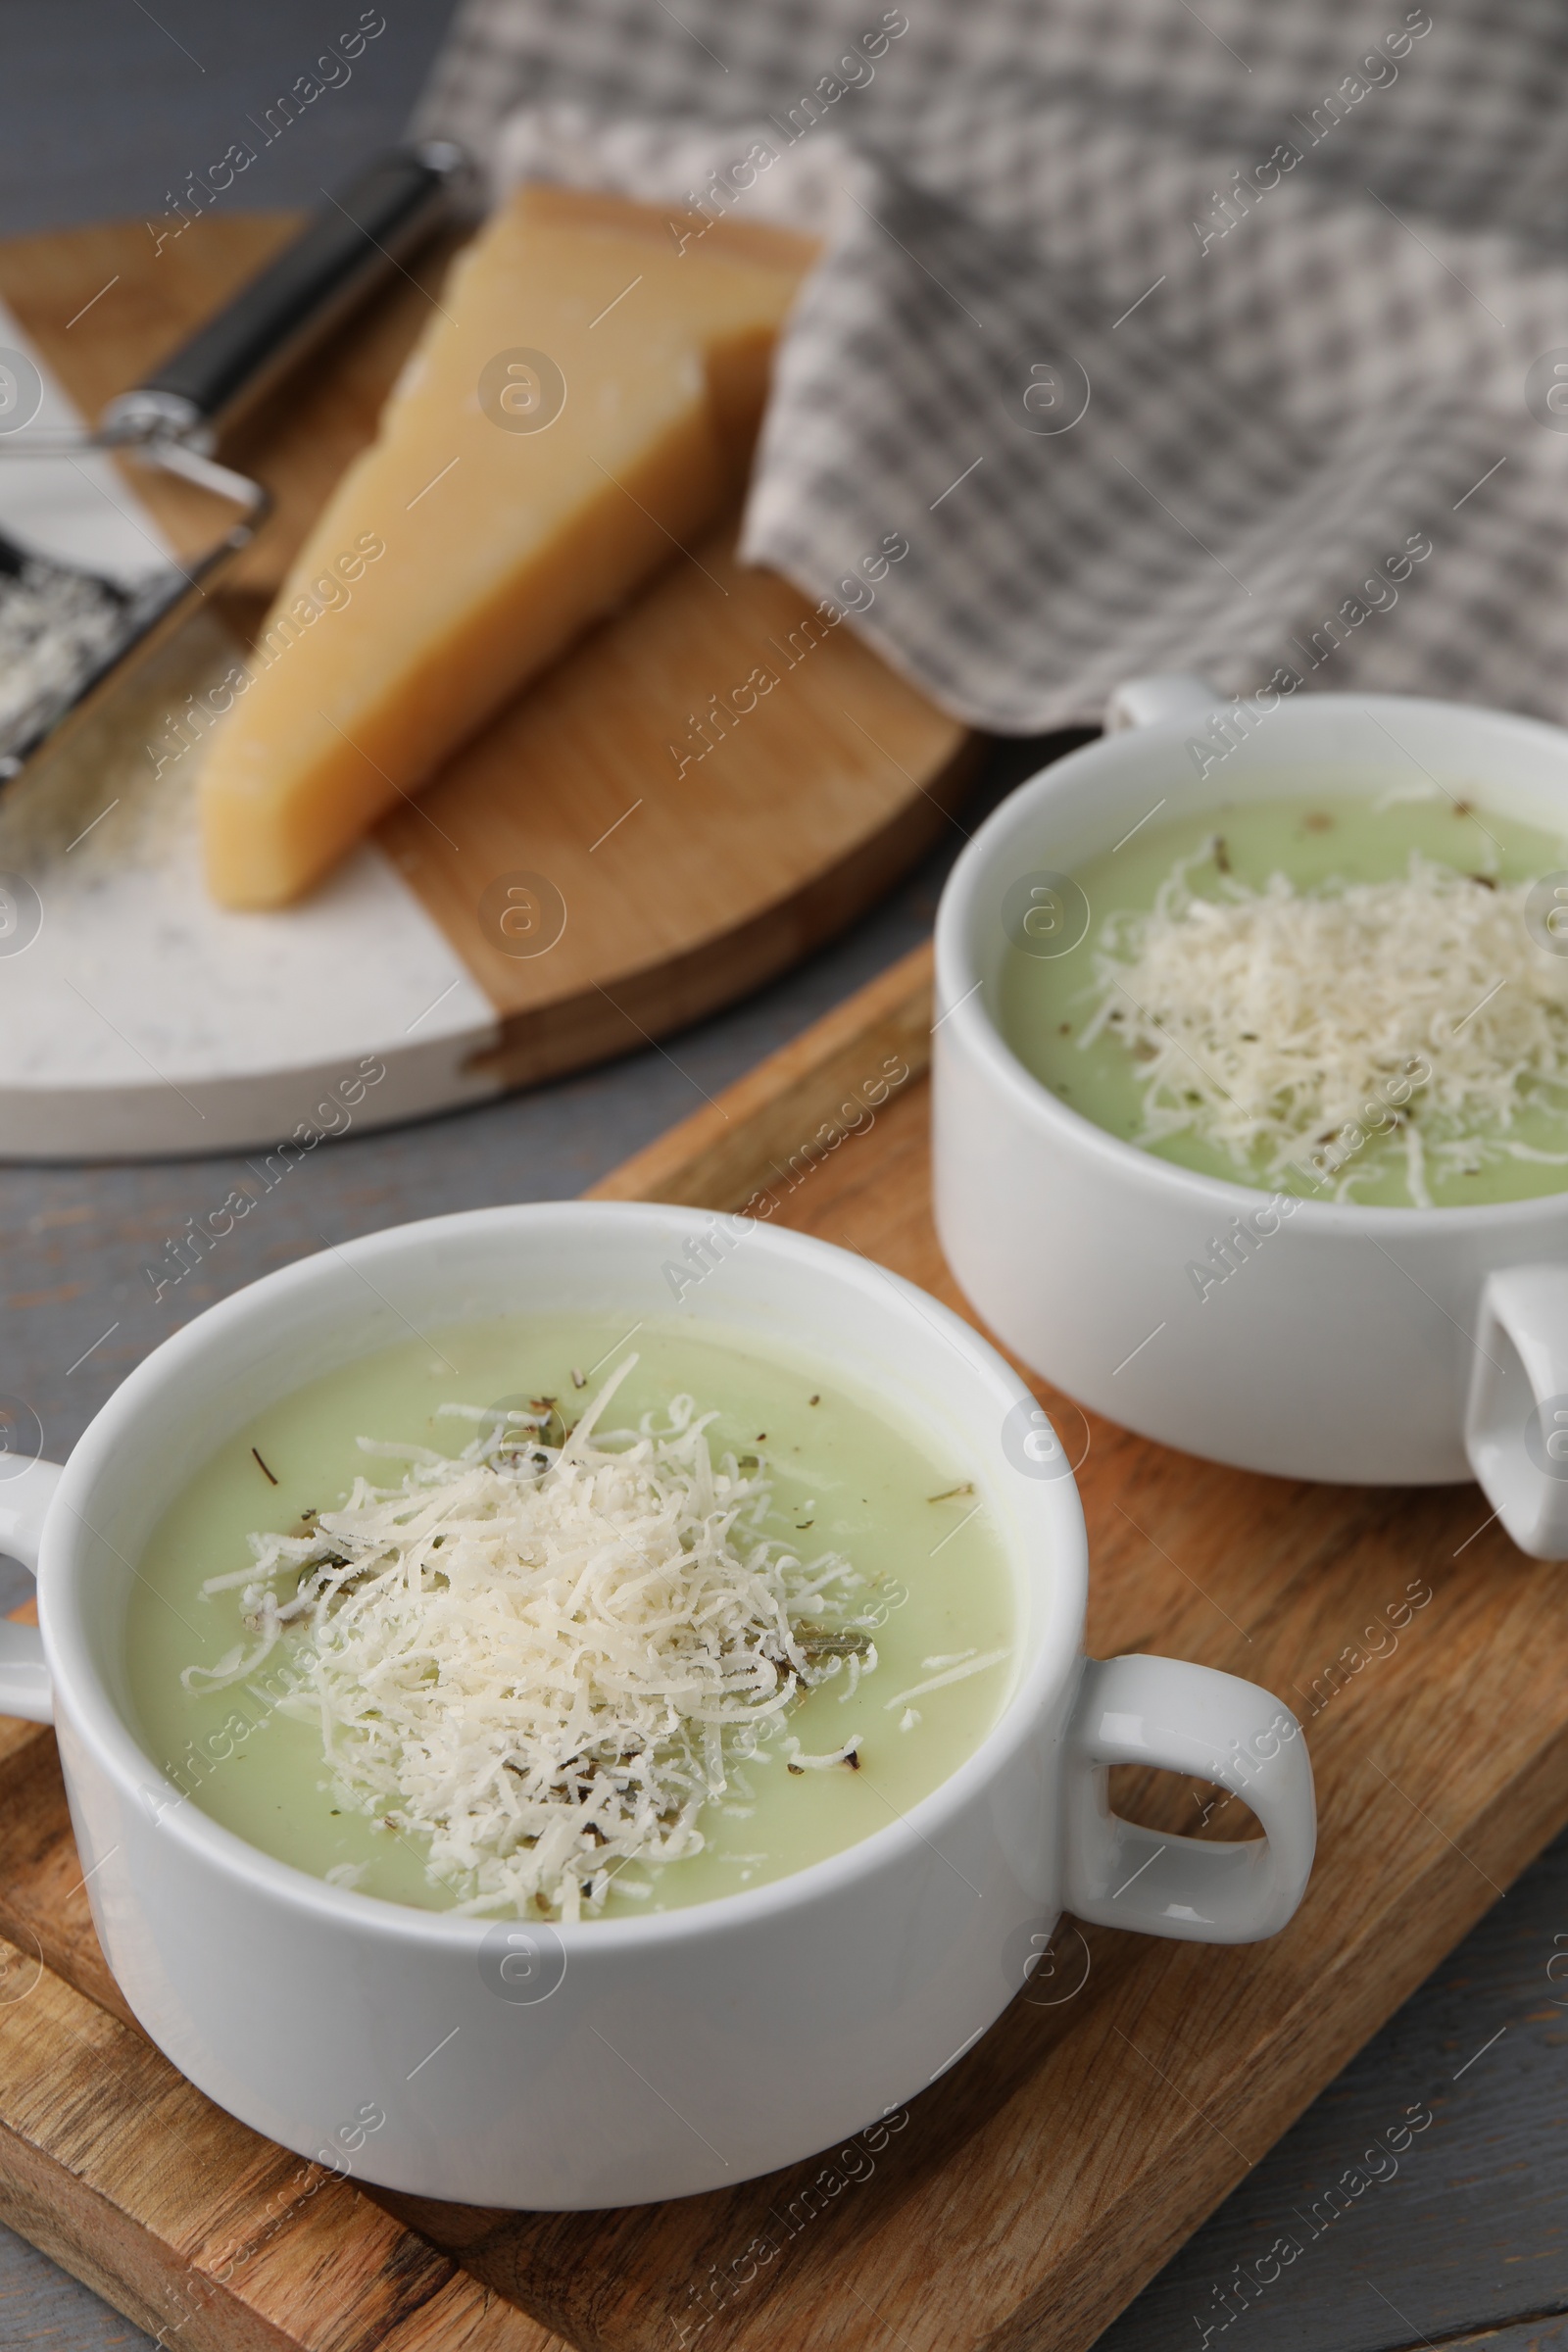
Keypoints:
pixel 932 1575
pixel 1321 840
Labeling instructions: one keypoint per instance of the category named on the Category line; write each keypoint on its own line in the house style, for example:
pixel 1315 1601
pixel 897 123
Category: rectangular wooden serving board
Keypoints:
pixel 1037 2186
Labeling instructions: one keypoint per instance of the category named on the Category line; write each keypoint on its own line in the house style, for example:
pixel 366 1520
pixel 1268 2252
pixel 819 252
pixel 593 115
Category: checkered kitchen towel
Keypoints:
pixel 1223 338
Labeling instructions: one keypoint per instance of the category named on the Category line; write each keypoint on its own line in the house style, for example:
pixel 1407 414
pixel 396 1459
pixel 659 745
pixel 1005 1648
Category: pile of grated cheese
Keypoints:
pixel 544 1659
pixel 1267 1022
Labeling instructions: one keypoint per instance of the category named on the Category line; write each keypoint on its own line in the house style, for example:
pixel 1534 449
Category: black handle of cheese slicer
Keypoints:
pixel 359 237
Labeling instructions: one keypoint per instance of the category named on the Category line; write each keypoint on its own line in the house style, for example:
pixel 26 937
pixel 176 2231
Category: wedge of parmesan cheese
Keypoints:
pixel 1271 1021
pixel 580 406
pixel 543 1660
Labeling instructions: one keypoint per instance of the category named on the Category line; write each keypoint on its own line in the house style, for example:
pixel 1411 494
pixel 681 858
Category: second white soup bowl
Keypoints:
pixel 1328 1340
pixel 622 2060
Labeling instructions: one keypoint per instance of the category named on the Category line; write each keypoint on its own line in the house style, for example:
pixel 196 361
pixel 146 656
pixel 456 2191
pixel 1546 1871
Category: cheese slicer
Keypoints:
pixel 71 631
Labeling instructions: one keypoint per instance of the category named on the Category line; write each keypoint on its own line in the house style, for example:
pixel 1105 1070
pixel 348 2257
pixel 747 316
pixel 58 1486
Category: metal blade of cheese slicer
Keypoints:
pixel 76 634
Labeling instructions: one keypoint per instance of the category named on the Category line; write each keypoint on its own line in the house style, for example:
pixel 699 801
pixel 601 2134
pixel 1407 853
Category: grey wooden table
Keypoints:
pixel 105 104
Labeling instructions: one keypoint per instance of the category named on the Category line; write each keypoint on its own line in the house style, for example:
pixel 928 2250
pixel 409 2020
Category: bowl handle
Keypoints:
pixel 1516 1423
pixel 25 1499
pixel 1194 1720
pixel 1173 694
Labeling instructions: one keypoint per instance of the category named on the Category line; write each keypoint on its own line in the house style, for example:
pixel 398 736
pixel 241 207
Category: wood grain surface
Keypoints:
pixel 1465 2227
pixel 693 856
pixel 1063 2160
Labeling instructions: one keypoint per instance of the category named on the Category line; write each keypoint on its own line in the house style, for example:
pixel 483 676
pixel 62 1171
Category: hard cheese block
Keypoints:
pixel 582 404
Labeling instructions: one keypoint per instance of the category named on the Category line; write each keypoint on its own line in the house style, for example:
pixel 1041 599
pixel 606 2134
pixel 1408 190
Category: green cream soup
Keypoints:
pixel 356 1756
pixel 1423 1061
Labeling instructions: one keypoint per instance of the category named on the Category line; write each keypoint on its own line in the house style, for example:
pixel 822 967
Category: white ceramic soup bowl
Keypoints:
pixel 1308 1338
pixel 622 2060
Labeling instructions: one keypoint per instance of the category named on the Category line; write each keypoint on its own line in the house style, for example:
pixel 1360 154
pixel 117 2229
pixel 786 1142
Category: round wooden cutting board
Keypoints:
pixel 599 867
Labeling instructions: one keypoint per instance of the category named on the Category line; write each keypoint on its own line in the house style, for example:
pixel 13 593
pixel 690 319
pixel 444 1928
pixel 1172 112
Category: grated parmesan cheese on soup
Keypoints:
pixel 545 1658
pixel 1268 1021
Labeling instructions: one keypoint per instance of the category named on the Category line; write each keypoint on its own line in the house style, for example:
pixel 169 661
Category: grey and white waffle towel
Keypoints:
pixel 1155 331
